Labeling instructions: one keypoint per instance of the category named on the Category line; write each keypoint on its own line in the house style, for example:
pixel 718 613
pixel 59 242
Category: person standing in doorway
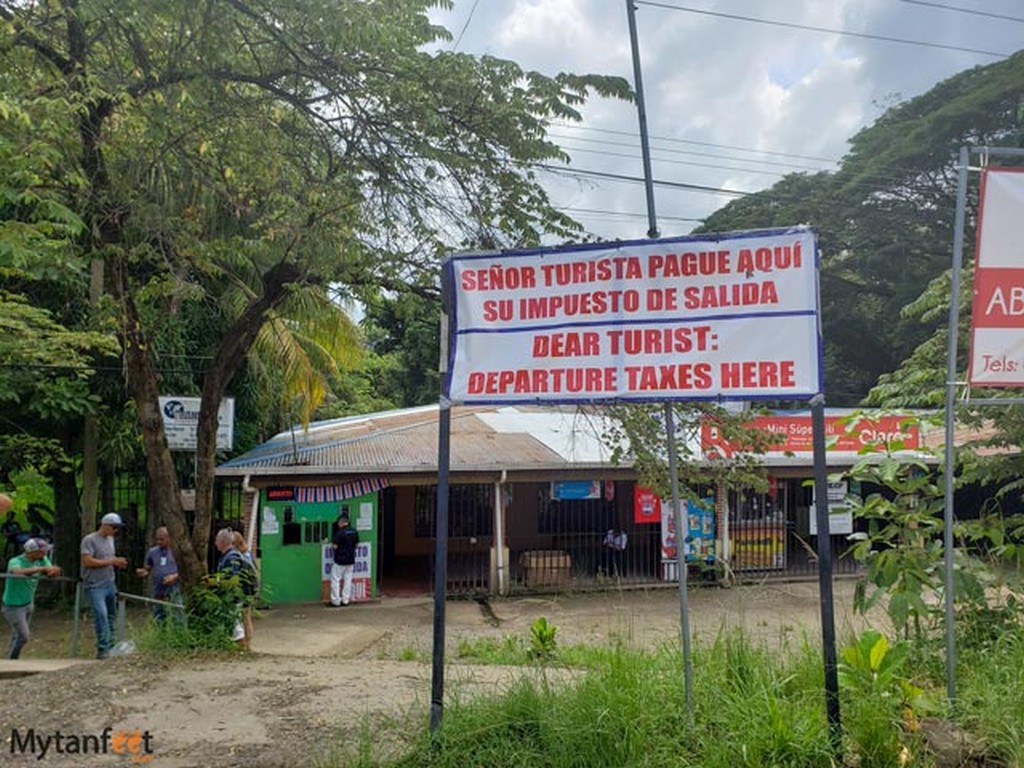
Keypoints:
pixel 162 567
pixel 20 591
pixel 99 559
pixel 344 543
pixel 614 550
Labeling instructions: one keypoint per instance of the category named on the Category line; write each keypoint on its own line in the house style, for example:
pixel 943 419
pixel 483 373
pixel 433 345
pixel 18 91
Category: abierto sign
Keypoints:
pixel 997 311
pixel 693 318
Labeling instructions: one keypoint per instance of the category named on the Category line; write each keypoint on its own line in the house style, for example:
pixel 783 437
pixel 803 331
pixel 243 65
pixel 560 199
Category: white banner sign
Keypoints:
pixel 181 420
pixel 697 318
pixel 840 514
pixel 997 311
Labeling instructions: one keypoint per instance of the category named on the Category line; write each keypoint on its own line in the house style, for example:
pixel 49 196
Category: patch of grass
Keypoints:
pixel 515 651
pixel 629 710
pixel 408 654
pixel 510 650
pixel 754 706
pixel 175 639
pixel 205 626
pixel 990 694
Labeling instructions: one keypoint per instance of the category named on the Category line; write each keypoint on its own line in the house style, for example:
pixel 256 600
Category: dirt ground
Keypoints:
pixel 316 674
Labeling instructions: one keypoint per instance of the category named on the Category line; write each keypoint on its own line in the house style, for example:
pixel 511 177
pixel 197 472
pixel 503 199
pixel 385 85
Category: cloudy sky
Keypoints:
pixel 739 92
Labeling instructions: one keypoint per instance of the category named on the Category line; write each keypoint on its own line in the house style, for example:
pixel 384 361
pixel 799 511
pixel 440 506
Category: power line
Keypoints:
pixel 788 167
pixel 732 147
pixel 692 163
pixel 466 25
pixel 694 142
pixel 809 28
pixel 970 11
pixel 629 214
pixel 88 368
pixel 639 180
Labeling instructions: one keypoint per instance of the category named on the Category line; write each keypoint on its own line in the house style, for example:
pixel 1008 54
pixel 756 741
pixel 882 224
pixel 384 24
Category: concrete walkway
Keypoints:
pixel 10 669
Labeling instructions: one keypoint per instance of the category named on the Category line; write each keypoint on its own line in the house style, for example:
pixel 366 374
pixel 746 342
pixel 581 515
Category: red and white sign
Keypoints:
pixel 699 318
pixel 997 311
pixel 646 505
pixel 841 434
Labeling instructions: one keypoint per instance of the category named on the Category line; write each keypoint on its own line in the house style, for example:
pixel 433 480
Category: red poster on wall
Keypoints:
pixel 646 505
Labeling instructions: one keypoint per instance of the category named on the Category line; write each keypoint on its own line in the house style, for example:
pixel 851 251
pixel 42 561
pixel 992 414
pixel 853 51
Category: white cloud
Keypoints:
pixel 727 93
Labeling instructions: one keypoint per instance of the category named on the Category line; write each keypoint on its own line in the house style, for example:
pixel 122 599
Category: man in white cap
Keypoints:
pixel 20 591
pixel 99 559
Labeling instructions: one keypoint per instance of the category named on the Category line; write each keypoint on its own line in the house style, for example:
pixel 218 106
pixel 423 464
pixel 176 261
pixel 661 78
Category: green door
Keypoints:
pixel 294 547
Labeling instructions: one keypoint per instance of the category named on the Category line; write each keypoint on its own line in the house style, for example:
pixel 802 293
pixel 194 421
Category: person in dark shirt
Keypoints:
pixel 10 527
pixel 344 543
pixel 235 579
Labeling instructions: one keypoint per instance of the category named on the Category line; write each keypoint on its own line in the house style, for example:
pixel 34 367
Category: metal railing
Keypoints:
pixel 120 619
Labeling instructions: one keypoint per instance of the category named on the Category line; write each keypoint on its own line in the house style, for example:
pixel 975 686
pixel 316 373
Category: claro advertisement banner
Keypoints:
pixel 997 310
pixel 695 318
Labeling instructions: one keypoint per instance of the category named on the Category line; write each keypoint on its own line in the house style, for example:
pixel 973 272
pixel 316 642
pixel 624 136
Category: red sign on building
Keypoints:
pixel 646 505
pixel 841 434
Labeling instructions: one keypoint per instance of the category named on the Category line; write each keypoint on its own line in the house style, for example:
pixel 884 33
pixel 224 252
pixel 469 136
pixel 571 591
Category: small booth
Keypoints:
pixel 295 529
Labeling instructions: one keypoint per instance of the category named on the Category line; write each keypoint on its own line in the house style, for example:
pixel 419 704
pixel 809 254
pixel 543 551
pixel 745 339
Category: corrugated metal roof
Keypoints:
pixel 483 439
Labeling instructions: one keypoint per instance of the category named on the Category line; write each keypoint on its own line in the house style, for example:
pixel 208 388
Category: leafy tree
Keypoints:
pixel 403 333
pixel 885 220
pixel 979 107
pixel 225 148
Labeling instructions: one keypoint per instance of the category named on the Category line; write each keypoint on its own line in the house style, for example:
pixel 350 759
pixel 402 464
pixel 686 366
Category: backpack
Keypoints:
pixel 248 579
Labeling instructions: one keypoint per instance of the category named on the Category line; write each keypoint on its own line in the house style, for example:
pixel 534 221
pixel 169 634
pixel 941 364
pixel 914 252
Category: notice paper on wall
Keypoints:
pixel 269 526
pixel 365 520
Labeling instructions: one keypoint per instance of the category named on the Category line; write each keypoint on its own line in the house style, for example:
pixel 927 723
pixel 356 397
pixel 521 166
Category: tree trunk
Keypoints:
pixel 107 217
pixel 226 363
pixel 164 492
pixel 67 528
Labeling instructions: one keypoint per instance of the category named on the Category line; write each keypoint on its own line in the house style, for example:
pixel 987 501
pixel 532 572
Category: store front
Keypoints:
pixel 534 501
pixel 294 531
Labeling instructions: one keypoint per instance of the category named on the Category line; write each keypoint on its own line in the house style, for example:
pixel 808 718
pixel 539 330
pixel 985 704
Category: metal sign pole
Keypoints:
pixel 670 429
pixel 948 458
pixel 681 529
pixel 828 621
pixel 949 516
pixel 441 538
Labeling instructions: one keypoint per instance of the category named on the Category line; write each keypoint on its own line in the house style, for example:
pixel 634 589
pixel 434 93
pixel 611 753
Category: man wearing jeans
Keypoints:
pixel 20 591
pixel 99 559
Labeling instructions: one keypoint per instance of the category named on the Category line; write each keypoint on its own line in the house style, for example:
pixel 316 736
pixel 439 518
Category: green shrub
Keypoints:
pixel 209 618
pixel 542 639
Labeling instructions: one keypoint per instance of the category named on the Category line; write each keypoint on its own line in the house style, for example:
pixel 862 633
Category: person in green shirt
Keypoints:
pixel 20 592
